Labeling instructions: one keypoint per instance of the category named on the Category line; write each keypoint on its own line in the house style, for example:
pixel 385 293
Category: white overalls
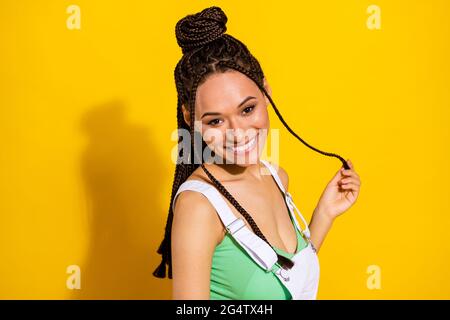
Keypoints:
pixel 302 280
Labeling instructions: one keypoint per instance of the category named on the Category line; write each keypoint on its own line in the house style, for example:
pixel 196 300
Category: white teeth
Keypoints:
pixel 241 149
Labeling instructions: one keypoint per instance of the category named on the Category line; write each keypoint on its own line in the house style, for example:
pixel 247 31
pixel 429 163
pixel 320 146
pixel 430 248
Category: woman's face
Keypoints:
pixel 231 113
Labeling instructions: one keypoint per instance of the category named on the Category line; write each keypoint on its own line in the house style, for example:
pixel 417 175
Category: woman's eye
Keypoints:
pixel 249 109
pixel 213 122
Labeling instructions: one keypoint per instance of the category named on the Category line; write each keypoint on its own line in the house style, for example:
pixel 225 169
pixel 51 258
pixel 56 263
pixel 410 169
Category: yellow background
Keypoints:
pixel 86 118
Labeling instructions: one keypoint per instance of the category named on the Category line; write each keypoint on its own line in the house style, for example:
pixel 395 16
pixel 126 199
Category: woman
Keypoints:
pixel 216 248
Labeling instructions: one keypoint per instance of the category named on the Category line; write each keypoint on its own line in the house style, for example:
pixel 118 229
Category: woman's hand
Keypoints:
pixel 340 193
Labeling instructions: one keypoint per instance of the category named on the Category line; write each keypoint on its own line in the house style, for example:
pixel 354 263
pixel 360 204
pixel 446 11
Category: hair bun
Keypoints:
pixel 196 30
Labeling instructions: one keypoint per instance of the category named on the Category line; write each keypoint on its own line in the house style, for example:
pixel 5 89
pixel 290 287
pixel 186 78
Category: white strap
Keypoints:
pixel 289 200
pixel 258 249
pixel 292 205
pixel 274 173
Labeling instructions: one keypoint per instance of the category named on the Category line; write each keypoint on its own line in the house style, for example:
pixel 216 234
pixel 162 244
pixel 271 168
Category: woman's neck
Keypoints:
pixel 235 171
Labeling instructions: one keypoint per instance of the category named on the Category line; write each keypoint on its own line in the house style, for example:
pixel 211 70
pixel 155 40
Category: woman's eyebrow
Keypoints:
pixel 218 113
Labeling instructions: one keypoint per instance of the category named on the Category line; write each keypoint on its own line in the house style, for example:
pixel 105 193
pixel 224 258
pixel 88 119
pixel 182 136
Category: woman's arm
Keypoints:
pixel 339 195
pixel 195 234
pixel 319 226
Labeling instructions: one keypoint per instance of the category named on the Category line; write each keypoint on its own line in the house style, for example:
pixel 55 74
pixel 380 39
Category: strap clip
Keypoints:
pixel 235 226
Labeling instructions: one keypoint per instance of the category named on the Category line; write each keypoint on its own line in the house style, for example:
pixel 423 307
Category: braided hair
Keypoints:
pixel 207 49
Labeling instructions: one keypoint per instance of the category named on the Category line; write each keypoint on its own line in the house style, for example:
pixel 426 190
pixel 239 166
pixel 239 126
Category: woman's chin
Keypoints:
pixel 244 159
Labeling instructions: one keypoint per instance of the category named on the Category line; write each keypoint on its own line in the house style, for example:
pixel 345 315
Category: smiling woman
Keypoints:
pixel 232 113
pixel 217 249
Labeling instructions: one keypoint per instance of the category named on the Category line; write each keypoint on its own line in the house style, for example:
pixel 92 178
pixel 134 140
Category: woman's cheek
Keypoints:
pixel 213 137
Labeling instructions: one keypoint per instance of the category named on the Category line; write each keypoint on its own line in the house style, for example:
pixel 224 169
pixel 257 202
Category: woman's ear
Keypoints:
pixel 268 89
pixel 186 115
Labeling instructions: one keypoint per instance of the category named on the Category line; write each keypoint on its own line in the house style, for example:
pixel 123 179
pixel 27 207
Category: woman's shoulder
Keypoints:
pixel 193 209
pixel 189 199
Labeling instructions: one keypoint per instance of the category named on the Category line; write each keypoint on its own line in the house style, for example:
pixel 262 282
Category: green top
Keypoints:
pixel 236 276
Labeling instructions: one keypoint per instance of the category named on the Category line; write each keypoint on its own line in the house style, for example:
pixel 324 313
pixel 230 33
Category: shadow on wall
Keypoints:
pixel 122 177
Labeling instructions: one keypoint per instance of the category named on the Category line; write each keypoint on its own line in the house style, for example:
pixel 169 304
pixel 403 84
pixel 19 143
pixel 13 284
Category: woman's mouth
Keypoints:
pixel 249 146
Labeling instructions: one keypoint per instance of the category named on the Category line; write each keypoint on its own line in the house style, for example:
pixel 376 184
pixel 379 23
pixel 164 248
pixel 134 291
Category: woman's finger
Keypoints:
pixel 350 180
pixel 350 173
pixel 350 186
pixel 350 164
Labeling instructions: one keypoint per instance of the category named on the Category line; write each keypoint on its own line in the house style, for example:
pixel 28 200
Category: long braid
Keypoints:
pixel 207 50
pixel 182 172
pixel 236 67
pixel 285 262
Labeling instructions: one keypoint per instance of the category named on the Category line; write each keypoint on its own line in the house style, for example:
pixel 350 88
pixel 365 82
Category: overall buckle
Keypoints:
pixel 235 225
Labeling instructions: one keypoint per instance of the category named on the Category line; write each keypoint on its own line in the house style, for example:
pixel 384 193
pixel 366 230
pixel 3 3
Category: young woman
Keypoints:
pixel 231 232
